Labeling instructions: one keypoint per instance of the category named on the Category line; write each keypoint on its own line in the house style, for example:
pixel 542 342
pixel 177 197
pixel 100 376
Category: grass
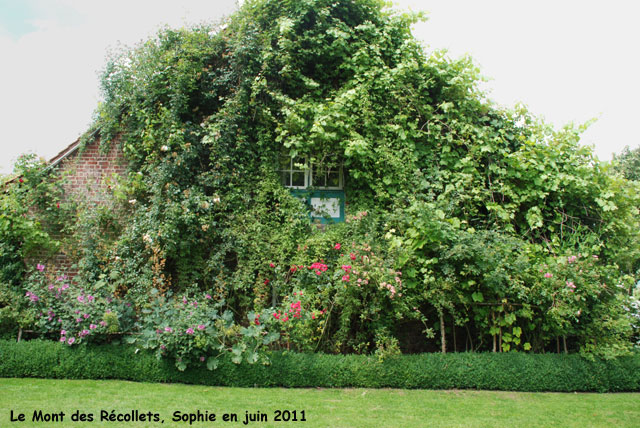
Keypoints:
pixel 380 408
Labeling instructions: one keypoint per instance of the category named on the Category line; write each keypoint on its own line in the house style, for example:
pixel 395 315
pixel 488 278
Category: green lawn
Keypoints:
pixel 322 407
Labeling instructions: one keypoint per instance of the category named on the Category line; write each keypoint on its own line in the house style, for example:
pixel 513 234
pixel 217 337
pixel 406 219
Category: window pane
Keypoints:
pixel 285 162
pixel 317 180
pixel 298 178
pixel 285 178
pixel 298 163
pixel 333 179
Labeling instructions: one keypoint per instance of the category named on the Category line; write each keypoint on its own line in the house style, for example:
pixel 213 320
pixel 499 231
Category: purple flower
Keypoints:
pixel 195 304
pixel 208 296
pixel 62 339
pixel 102 323
pixel 40 267
pixel 168 329
pixel 85 316
pixel 200 326
pixel 81 298
pixel 163 347
pixel 202 359
pixel 78 320
pixel 90 298
pixel 190 331
pixel 63 332
pixel 32 296
pixel 71 340
pixel 92 326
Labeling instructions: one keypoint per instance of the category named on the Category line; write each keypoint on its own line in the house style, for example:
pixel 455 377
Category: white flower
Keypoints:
pixel 216 199
pixel 164 148
pixel 132 201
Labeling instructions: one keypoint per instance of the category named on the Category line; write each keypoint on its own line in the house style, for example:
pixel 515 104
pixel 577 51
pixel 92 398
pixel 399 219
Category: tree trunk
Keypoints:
pixel 493 319
pixel 444 340
pixel 19 334
pixel 453 326
pixel 274 296
pixel 564 342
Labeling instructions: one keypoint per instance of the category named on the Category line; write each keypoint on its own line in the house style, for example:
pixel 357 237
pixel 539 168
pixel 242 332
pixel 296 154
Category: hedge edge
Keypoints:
pixel 487 371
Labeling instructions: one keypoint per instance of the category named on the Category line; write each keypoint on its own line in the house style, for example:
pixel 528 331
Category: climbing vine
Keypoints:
pixel 460 207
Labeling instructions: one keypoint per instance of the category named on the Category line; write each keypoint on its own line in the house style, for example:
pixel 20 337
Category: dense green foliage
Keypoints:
pixel 24 235
pixel 468 226
pixel 507 372
pixel 628 163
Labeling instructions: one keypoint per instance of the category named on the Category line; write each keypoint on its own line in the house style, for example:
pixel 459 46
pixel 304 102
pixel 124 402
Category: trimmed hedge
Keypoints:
pixel 508 371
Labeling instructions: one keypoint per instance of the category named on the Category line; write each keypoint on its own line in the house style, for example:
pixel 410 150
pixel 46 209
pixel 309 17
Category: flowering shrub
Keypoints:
pixel 72 314
pixel 30 211
pixel 195 329
pixel 578 300
pixel 343 301
pixel 299 323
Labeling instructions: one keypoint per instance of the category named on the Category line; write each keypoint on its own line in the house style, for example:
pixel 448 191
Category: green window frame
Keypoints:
pixel 319 186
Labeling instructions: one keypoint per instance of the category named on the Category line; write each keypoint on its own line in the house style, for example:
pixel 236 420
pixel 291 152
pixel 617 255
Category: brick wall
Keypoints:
pixel 87 172
pixel 86 175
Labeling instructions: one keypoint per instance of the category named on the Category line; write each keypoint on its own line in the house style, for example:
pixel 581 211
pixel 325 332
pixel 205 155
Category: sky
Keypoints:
pixel 568 61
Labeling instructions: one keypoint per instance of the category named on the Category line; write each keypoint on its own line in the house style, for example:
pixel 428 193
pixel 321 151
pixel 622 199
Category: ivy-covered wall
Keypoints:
pixel 468 226
pixel 87 174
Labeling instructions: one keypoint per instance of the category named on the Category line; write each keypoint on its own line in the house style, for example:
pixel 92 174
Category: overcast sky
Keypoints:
pixel 568 60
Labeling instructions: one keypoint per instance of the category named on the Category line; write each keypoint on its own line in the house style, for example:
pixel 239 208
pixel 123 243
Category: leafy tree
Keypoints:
pixel 628 163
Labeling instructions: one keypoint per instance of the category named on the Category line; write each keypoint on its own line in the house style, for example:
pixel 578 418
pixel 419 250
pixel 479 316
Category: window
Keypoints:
pixel 295 173
pixel 318 184
pixel 326 177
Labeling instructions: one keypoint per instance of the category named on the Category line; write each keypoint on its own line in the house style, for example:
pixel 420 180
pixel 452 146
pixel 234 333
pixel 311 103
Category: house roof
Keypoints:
pixel 64 153
pixel 70 149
